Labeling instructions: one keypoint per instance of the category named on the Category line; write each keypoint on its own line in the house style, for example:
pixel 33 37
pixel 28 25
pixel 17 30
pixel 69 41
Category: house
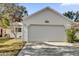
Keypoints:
pixel 13 31
pixel 45 25
pixel 16 29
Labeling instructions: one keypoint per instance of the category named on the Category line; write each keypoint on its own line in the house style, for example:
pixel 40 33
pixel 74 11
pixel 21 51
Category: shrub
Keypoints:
pixel 71 34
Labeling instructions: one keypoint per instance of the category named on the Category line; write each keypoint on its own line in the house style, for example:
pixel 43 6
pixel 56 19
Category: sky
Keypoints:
pixel 60 7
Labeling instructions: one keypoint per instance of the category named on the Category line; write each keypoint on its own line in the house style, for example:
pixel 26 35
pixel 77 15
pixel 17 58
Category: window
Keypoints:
pixel 18 29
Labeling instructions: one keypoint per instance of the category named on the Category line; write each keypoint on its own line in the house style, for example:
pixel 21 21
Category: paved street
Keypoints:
pixel 42 49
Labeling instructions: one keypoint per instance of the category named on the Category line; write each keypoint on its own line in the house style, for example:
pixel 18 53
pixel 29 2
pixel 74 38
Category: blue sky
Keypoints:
pixel 60 7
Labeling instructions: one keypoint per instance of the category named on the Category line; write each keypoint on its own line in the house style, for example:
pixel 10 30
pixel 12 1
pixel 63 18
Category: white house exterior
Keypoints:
pixel 45 25
pixel 17 30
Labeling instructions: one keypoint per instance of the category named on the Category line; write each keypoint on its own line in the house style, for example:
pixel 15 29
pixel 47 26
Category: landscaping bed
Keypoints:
pixel 11 47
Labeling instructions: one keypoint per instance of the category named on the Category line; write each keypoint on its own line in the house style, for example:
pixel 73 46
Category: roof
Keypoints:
pixel 48 8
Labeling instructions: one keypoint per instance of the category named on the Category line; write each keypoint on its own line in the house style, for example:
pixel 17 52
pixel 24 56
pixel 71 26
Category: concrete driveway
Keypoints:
pixel 49 49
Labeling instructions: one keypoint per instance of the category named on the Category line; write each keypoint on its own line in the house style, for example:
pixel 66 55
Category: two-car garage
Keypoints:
pixel 45 25
pixel 46 33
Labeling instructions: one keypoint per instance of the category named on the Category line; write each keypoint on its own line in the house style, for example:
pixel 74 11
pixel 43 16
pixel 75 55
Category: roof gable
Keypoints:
pixel 47 8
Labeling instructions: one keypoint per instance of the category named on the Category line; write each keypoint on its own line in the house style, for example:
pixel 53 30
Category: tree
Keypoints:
pixel 12 13
pixel 69 14
pixel 72 15
pixel 4 21
pixel 76 16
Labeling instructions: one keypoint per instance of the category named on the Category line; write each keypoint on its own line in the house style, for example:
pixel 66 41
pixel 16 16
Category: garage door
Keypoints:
pixel 46 33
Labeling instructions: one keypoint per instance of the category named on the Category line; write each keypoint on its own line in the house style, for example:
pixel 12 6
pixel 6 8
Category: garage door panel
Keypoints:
pixel 47 33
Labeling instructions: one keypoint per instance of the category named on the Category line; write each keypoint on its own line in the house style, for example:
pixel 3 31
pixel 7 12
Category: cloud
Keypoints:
pixel 69 4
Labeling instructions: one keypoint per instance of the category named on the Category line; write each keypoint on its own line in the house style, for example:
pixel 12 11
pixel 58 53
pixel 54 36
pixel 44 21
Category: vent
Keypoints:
pixel 46 21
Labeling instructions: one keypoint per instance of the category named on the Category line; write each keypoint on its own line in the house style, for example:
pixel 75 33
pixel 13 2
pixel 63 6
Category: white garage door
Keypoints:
pixel 46 33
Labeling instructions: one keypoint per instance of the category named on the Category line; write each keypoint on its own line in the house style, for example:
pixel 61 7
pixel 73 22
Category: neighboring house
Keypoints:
pixel 45 25
pixel 13 31
pixel 16 29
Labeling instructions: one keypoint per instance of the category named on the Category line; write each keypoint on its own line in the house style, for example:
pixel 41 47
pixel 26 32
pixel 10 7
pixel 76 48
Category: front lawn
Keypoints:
pixel 11 47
